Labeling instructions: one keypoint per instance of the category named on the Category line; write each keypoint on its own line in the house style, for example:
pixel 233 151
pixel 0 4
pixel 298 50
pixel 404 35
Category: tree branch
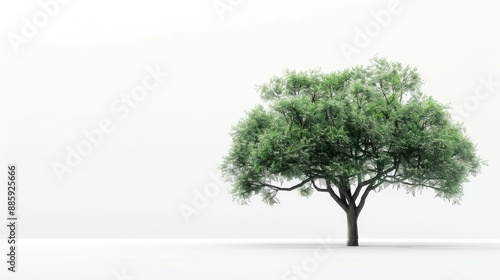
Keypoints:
pixel 337 199
pixel 317 188
pixel 372 180
pixel 345 195
pixel 402 181
pixel 362 201
pixel 286 189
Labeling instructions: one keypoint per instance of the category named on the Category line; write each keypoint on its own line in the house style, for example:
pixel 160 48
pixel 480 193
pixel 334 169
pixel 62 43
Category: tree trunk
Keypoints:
pixel 352 227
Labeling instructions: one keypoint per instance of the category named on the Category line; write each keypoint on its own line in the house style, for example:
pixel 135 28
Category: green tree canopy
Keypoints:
pixel 348 133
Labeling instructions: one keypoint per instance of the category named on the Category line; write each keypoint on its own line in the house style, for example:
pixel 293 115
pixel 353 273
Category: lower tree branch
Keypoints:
pixel 345 195
pixel 337 199
pixel 362 201
pixel 317 188
pixel 402 181
pixel 285 189
pixel 372 180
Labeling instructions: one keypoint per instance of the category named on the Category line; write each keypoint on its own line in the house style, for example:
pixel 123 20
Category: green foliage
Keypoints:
pixel 345 127
pixel 306 191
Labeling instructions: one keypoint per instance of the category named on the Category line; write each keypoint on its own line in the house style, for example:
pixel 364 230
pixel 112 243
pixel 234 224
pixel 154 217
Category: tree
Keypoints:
pixel 347 134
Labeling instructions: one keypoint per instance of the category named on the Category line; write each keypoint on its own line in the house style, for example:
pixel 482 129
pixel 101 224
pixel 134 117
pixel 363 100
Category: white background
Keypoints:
pixel 66 77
